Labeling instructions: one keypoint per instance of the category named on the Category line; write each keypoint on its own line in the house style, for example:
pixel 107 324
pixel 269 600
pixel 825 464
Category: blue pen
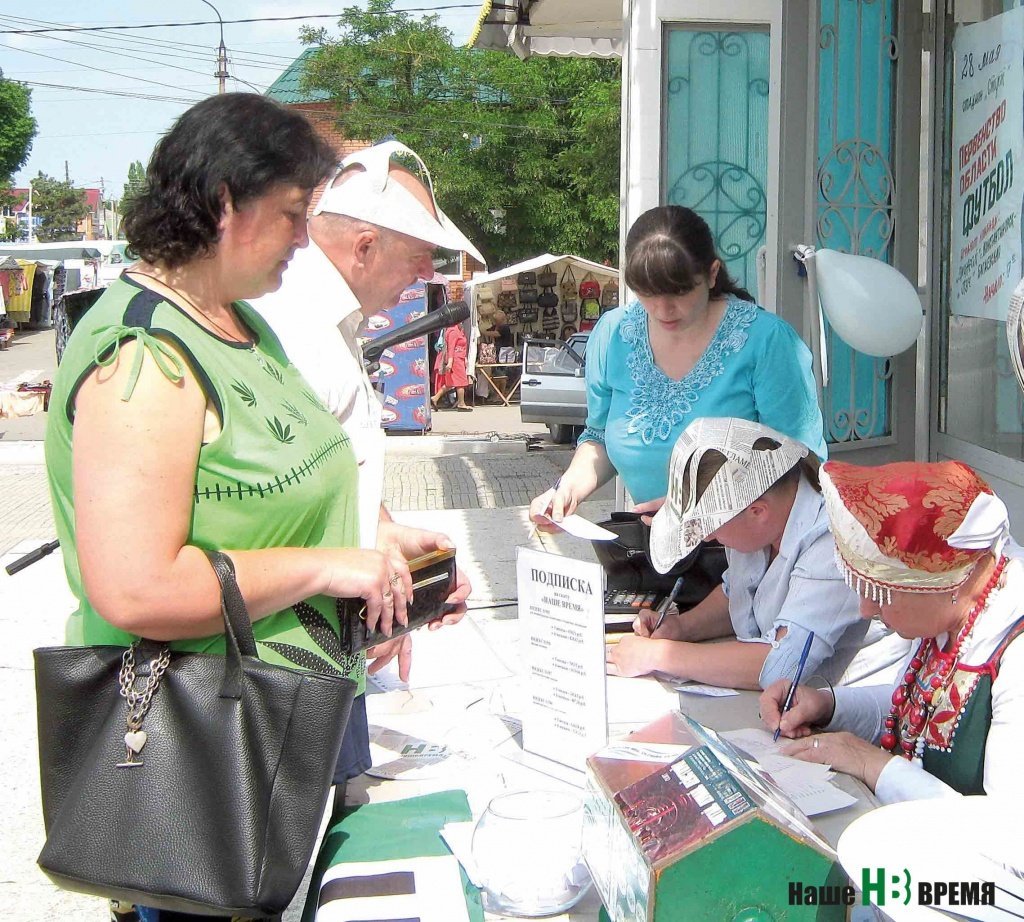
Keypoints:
pixel 669 599
pixel 796 682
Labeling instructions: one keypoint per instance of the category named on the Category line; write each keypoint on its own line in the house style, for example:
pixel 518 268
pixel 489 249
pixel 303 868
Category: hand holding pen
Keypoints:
pixel 788 704
pixel 667 603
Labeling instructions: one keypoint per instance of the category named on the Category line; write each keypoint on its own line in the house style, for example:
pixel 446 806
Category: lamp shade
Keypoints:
pixel 987 834
pixel 870 305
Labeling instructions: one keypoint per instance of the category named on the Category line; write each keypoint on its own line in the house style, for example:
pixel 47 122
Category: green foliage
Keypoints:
pixel 135 184
pixel 524 154
pixel 60 206
pixel 17 126
pixel 9 230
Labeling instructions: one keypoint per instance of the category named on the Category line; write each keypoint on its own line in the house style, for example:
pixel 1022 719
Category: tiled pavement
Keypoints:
pixel 472 481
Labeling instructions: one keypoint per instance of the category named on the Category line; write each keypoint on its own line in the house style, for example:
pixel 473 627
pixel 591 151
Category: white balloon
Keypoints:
pixel 871 305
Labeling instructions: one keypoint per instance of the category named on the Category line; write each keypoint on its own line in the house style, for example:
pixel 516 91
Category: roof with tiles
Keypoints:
pixel 288 87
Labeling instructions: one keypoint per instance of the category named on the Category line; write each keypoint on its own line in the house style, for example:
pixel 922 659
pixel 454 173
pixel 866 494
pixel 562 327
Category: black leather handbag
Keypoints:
pixel 189 782
pixel 627 562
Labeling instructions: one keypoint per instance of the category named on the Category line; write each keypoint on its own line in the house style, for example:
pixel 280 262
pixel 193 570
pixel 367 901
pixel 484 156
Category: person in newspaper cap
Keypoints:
pixel 756 491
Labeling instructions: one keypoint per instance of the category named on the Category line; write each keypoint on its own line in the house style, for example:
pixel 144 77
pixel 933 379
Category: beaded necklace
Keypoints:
pixel 914 698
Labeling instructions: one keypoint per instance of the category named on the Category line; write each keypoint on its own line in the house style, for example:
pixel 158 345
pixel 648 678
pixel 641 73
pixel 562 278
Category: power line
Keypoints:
pixel 121 53
pixel 101 70
pixel 109 92
pixel 214 22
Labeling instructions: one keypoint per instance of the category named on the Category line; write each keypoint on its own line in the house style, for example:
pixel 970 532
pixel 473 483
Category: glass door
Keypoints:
pixel 979 412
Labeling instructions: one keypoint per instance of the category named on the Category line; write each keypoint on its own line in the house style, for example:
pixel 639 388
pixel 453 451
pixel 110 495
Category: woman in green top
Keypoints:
pixel 179 425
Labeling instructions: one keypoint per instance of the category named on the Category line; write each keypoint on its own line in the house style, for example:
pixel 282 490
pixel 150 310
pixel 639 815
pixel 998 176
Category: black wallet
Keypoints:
pixel 433 580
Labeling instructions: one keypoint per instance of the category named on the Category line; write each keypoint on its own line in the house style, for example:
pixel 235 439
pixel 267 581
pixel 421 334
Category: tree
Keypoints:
pixel 524 154
pixel 60 206
pixel 135 184
pixel 17 126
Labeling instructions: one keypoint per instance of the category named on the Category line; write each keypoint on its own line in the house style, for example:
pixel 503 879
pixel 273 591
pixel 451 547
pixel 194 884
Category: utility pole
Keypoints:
pixel 31 222
pixel 222 54
pixel 67 173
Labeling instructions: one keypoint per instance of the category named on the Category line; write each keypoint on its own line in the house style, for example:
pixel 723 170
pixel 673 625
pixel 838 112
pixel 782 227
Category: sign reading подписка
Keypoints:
pixel 561 616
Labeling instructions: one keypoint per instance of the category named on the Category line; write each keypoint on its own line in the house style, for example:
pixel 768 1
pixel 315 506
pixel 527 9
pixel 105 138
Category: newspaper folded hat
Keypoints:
pixel 370 196
pixel 719 466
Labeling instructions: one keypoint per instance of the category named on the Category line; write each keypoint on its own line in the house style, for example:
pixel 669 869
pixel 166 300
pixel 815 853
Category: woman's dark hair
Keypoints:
pixel 240 142
pixel 669 249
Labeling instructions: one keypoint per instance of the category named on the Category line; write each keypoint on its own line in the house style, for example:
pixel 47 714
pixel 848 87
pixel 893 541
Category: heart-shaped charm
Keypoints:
pixel 135 740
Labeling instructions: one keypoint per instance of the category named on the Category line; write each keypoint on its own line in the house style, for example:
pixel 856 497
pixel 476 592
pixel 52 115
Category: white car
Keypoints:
pixel 553 388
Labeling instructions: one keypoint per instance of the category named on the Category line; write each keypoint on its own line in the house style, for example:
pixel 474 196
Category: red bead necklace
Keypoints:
pixel 913 698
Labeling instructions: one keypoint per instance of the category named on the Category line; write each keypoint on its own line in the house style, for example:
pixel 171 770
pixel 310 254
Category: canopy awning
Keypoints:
pixel 542 262
pixel 50 253
pixel 563 28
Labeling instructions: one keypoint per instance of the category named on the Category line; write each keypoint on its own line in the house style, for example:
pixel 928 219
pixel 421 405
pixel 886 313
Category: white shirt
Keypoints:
pixel 316 316
pixel 802 591
pixel 862 710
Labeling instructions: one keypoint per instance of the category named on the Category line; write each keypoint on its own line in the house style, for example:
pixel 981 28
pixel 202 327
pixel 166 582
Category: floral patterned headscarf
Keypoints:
pixel 910 526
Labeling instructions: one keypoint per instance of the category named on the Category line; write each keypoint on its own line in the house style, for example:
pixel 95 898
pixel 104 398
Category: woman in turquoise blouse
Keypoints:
pixel 694 344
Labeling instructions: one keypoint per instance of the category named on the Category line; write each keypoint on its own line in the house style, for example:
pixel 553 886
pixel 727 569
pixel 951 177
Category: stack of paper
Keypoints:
pixel 807 783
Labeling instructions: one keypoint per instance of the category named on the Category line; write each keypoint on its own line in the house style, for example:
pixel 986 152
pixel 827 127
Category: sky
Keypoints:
pixel 158 71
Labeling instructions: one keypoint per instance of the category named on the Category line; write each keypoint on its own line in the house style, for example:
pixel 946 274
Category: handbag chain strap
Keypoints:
pixel 138 700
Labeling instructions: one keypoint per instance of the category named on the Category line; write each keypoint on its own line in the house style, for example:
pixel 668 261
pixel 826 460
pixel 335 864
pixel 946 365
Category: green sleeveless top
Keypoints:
pixel 281 473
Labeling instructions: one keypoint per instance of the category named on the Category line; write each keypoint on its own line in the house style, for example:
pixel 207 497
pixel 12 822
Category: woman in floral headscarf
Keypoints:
pixel 927 547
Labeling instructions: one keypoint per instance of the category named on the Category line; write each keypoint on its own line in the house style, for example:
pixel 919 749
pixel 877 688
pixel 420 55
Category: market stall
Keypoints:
pixel 550 296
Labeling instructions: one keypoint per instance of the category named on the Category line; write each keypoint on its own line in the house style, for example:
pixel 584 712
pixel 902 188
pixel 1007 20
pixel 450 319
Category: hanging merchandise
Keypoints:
pixel 590 309
pixel 548 278
pixel 549 322
pixel 528 314
pixel 570 310
pixel 589 287
pixel 528 295
pixel 526 280
pixel 570 286
pixel 484 293
pixel 568 330
pixel 486 354
pixel 507 301
pixel 610 295
pixel 486 309
pixel 508 284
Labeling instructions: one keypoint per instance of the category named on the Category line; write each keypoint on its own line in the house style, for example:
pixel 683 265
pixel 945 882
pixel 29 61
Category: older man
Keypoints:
pixel 372 234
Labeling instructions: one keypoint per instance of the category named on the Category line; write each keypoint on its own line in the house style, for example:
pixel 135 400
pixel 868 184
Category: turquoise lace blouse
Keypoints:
pixel 755 367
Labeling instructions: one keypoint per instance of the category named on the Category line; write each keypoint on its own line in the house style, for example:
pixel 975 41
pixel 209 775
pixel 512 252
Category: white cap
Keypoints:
pixel 742 474
pixel 368 196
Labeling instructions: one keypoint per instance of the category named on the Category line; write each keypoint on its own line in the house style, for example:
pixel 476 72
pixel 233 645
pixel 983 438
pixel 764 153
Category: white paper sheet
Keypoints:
pixel 807 783
pixel 453 654
pixel 710 691
pixel 438 895
pixel 638 700
pixel 561 618
pixel 580 527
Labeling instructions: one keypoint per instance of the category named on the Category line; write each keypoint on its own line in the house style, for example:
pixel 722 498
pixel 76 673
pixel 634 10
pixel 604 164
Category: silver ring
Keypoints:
pixel 815 743
pixel 388 596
